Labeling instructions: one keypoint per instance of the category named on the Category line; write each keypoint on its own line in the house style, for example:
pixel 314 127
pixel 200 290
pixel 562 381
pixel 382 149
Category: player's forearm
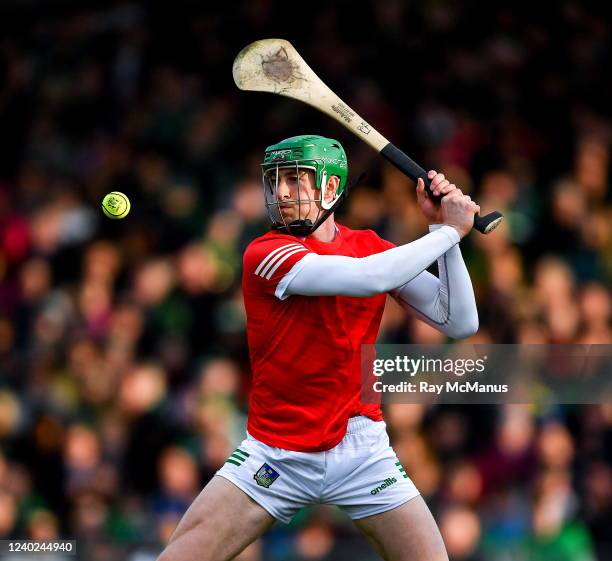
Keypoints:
pixel 446 303
pixel 329 275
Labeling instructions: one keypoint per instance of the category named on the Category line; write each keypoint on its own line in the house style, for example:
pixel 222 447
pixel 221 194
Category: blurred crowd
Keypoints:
pixel 124 369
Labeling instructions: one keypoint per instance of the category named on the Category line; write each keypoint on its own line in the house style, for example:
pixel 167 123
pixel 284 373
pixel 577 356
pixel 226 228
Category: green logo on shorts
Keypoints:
pixel 386 483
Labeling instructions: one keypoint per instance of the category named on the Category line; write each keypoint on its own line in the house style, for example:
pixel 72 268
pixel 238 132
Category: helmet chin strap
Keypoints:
pixel 303 228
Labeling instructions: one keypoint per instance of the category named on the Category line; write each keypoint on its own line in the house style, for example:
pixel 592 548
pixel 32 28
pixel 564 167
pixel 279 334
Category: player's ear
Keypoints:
pixel 332 187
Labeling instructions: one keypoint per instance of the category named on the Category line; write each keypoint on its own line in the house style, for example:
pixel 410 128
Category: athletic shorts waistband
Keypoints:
pixel 358 424
pixel 355 425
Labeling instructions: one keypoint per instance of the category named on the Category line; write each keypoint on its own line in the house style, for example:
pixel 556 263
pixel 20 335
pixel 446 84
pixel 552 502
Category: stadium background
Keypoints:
pixel 124 368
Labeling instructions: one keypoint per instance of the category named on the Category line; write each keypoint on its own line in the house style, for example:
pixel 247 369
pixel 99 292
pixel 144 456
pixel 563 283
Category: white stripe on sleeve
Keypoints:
pixel 274 259
pixel 265 260
pixel 282 260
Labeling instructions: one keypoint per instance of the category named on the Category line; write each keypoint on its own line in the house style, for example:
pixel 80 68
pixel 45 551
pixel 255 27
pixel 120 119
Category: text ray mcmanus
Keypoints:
pixel 448 387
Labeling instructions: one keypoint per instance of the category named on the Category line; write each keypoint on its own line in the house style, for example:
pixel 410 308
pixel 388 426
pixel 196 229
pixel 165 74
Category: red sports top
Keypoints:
pixel 305 350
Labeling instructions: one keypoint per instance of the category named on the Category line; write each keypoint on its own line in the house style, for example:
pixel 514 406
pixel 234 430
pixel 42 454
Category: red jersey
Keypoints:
pixel 305 350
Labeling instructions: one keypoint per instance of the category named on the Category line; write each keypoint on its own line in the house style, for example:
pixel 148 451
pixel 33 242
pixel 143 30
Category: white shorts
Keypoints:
pixel 361 475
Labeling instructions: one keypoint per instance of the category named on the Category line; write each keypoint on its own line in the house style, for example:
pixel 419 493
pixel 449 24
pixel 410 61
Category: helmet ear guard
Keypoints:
pixel 324 204
pixel 323 181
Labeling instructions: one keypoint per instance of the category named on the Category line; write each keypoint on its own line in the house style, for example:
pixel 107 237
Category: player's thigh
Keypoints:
pixel 218 525
pixel 405 533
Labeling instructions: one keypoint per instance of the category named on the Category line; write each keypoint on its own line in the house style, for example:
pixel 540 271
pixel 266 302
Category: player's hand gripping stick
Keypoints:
pixel 409 167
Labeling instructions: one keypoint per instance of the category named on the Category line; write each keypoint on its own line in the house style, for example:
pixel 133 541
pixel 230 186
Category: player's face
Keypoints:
pixel 296 194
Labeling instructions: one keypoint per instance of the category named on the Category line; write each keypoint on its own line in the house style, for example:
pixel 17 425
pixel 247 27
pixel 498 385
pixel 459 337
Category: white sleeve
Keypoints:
pixel 446 303
pixel 337 275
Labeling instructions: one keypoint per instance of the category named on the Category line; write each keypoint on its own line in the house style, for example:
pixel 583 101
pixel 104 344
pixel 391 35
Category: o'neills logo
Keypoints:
pixel 386 483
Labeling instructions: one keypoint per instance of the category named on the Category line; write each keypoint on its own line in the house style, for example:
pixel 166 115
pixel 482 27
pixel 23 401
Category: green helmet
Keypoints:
pixel 324 156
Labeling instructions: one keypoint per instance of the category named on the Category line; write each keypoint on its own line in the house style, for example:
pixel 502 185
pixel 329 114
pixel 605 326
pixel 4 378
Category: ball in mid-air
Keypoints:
pixel 116 205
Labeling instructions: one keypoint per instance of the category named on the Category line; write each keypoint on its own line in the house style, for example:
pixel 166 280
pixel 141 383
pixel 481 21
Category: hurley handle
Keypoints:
pixel 484 224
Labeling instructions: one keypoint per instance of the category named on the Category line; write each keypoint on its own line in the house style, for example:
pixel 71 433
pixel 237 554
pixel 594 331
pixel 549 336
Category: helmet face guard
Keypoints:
pixel 301 226
pixel 323 156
